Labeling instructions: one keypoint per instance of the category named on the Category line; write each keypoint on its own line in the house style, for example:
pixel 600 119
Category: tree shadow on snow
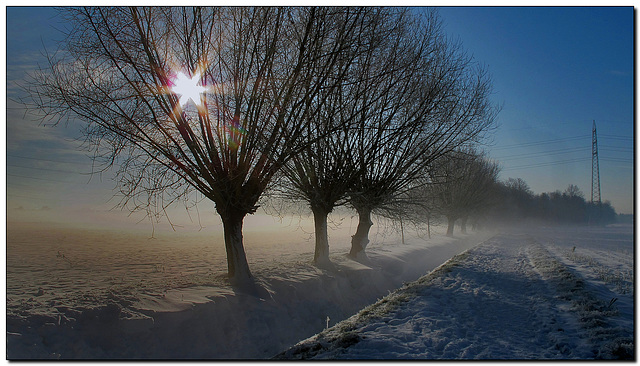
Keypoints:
pixel 250 287
pixel 362 258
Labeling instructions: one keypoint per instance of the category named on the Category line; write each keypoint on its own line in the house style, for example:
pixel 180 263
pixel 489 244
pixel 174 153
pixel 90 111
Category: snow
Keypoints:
pixel 521 294
pixel 75 293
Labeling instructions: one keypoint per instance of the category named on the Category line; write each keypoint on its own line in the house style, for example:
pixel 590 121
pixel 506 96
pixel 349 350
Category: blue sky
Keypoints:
pixel 555 71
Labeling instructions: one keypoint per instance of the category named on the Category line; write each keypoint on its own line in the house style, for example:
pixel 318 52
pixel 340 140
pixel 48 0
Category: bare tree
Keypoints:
pixel 320 176
pixel 324 173
pixel 439 102
pixel 462 183
pixel 263 70
pixel 517 200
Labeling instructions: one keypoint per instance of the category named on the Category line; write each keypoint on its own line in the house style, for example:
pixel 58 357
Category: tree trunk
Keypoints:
pixel 463 224
pixel 321 255
pixel 428 227
pixel 451 221
pixel 360 239
pixel 236 257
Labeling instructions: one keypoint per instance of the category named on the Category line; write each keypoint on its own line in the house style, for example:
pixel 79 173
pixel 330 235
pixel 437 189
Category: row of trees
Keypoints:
pixel 463 185
pixel 471 191
pixel 519 203
pixel 330 106
pixel 414 98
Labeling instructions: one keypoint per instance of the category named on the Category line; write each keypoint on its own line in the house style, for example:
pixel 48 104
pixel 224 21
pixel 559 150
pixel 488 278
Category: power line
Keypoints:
pixel 619 148
pixel 544 153
pixel 542 142
pixel 47 169
pixel 539 165
pixel 618 160
pixel 49 198
pixel 47 160
pixel 44 179
pixel 617 137
pixel 620 166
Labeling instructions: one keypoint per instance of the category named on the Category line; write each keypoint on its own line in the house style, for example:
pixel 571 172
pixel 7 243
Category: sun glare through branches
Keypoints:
pixel 188 88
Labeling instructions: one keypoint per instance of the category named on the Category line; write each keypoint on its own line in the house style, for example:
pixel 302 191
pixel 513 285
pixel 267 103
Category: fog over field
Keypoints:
pixel 103 294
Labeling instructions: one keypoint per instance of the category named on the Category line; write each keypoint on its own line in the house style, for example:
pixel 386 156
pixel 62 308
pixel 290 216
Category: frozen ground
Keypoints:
pixel 94 294
pixel 548 293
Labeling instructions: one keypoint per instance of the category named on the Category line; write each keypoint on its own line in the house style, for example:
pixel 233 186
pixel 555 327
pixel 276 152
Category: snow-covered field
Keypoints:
pixel 549 293
pixel 75 293
pixel 101 294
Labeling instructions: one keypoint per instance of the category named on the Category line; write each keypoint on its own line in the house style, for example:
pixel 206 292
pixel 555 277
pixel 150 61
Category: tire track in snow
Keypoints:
pixel 488 303
pixel 590 319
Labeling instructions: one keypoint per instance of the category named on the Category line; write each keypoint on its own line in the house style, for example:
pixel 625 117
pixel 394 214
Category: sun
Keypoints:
pixel 188 88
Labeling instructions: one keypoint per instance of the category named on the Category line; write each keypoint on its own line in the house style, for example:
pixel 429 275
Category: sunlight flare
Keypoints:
pixel 188 88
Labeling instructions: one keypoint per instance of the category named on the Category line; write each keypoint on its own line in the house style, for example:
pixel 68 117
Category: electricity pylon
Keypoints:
pixel 595 169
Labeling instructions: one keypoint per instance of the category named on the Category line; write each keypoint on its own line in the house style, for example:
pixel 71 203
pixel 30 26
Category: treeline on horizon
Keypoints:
pixel 463 187
pixel 518 203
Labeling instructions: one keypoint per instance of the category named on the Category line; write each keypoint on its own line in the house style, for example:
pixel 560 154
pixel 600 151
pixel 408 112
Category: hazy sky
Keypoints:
pixel 555 71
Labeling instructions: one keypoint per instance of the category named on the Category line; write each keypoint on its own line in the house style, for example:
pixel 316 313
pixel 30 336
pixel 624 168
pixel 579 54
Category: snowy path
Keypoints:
pixel 508 298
